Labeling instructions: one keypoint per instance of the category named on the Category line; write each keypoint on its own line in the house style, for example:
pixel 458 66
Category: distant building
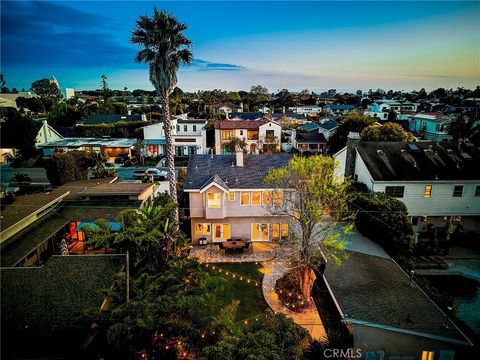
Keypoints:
pixel 433 126
pixel 69 93
pixel 228 108
pixel 306 109
pixel 312 142
pixel 46 134
pixel 334 109
pixel 328 128
pixel 381 108
pixel 332 93
pixel 113 118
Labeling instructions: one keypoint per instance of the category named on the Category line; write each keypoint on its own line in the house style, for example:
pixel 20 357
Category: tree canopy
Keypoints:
pixel 388 132
pixel 354 122
pixel 47 91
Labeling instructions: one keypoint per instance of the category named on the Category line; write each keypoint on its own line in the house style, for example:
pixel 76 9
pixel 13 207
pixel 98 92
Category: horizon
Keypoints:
pixel 343 45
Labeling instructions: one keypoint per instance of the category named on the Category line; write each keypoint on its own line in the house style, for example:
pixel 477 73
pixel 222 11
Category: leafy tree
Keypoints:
pixel 233 96
pixel 19 131
pixel 236 144
pixel 33 104
pixel 258 96
pixel 47 91
pixel 383 219
pixel 464 129
pixel 354 122
pixel 314 209
pixel 164 47
pixel 387 132
pixel 100 235
pixel 283 99
pixel 114 107
pixel 63 167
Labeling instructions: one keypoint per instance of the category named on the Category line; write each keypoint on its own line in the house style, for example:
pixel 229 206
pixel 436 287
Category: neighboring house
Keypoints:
pixel 439 186
pixel 309 142
pixel 388 315
pixel 113 118
pixel 306 109
pixel 339 109
pixel 260 135
pixel 113 146
pixel 228 197
pixel 46 134
pixel 381 108
pixel 308 127
pixel 328 128
pixel 189 137
pixel 141 193
pixel 245 116
pixel 433 126
pixel 228 108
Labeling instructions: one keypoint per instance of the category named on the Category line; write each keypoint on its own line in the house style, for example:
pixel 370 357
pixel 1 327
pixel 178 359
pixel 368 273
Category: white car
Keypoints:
pixel 155 173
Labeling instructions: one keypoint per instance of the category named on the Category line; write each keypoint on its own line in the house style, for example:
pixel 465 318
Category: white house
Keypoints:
pixel 306 109
pixel 46 134
pixel 381 108
pixel 189 137
pixel 260 135
pixel 228 108
pixel 328 127
pixel 439 186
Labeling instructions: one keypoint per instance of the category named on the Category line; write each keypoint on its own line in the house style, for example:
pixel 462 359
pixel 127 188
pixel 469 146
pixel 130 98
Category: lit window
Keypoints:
pixel 231 196
pixel 277 197
pixel 267 198
pixel 260 232
pixel 458 191
pixel 284 231
pixel 427 355
pixel 428 191
pixel 203 229
pixel 213 200
pixel 227 134
pixel 275 231
pixel 245 198
pixel 256 198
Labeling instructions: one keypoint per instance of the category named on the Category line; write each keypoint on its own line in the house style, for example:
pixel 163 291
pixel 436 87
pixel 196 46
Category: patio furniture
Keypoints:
pixel 234 245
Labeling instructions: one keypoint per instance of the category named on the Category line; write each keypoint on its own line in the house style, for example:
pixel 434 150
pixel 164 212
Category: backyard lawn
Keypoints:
pixel 251 298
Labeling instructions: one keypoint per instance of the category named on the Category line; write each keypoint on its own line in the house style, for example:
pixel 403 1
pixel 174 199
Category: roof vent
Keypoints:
pixel 450 151
pixel 236 179
pixel 402 151
pixel 196 167
pixel 233 164
pixel 380 152
pixel 413 148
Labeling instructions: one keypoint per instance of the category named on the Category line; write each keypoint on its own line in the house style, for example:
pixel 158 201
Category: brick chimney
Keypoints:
pixel 352 141
pixel 239 157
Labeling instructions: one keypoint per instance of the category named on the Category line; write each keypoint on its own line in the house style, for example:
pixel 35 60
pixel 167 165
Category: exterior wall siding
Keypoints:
pixel 441 201
pixel 361 172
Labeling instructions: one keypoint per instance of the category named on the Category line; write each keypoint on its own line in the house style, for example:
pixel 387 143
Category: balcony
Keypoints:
pixel 270 139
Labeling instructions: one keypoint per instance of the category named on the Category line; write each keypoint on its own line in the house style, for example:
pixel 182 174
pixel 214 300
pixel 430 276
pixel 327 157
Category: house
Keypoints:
pixel 388 314
pixel 189 137
pixel 381 108
pixel 228 108
pixel 113 118
pixel 308 127
pixel 309 142
pixel 228 197
pixel 339 109
pixel 306 109
pixel 46 134
pixel 113 146
pixel 433 126
pixel 328 127
pixel 245 116
pixel 260 135
pixel 439 185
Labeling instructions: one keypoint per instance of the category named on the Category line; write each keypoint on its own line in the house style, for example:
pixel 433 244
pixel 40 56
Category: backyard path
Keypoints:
pixel 308 319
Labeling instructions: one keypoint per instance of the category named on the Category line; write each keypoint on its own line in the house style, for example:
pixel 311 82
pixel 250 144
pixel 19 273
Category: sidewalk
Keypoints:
pixel 309 319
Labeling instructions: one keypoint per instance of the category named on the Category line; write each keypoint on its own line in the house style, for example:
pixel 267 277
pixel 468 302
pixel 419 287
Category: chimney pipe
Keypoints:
pixel 352 141
pixel 239 157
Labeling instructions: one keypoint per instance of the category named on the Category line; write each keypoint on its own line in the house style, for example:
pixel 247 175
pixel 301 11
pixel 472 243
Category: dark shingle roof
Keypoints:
pixel 329 125
pixel 391 161
pixel 246 115
pixel 250 176
pixel 109 119
pixel 341 107
pixel 216 180
pixel 308 127
pixel 376 290
pixel 240 124
pixel 310 138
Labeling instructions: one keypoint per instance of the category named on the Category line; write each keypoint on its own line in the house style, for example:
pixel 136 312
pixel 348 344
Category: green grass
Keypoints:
pixel 251 298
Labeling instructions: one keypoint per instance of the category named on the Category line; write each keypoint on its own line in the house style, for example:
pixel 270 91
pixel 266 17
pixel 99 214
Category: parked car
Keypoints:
pixel 138 174
pixel 155 174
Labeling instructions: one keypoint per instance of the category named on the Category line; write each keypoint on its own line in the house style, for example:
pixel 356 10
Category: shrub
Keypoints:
pixel 384 219
pixel 63 167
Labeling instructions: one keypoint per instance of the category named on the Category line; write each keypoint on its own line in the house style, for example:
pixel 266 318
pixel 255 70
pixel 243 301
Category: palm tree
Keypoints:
pixel 164 48
pixel 21 179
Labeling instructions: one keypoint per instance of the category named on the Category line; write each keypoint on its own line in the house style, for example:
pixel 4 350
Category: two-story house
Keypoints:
pixel 381 108
pixel 262 135
pixel 228 197
pixel 439 185
pixel 189 137
pixel 433 126
pixel 335 109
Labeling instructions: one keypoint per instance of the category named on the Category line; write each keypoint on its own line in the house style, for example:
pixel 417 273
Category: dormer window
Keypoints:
pixel 213 200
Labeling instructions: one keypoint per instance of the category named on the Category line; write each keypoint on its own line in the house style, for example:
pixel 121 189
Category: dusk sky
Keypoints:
pixel 296 45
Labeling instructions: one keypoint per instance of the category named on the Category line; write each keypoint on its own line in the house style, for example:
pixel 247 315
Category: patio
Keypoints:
pixel 258 252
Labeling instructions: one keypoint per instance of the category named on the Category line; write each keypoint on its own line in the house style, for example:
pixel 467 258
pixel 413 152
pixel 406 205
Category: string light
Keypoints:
pixel 232 274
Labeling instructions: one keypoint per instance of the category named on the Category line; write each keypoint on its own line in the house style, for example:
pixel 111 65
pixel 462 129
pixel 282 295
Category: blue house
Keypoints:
pixel 433 126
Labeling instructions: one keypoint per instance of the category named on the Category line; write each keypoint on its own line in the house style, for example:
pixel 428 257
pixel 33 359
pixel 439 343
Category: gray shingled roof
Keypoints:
pixel 391 161
pixel 216 180
pixel 376 290
pixel 310 138
pixel 250 176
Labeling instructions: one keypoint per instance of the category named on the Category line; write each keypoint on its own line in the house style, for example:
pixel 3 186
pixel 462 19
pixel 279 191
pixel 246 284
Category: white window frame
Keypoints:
pixel 231 192
pixel 259 228
pixel 219 200
pixel 249 198
pixel 222 238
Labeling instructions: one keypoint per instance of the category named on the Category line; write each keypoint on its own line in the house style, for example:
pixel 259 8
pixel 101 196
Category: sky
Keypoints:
pixel 314 45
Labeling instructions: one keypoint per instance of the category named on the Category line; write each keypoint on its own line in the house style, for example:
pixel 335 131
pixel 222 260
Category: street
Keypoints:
pixel 39 176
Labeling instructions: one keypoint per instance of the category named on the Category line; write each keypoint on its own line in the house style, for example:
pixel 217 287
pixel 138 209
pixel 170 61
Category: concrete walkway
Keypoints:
pixel 308 319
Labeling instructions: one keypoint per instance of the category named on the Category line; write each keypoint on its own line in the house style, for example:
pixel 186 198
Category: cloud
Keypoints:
pixel 199 64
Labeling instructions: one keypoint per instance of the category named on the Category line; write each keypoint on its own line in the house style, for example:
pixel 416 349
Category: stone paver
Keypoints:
pixel 212 254
pixel 308 319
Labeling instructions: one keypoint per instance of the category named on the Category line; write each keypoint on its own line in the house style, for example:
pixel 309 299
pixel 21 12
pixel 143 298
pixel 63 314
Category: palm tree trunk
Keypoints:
pixel 172 181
